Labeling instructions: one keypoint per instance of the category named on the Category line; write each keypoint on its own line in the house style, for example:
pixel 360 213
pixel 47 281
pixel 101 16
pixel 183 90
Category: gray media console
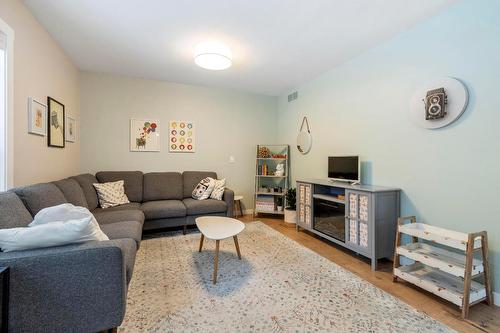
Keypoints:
pixel 362 218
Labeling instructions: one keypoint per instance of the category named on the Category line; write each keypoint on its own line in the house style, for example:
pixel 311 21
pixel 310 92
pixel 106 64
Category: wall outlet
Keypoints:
pixel 232 160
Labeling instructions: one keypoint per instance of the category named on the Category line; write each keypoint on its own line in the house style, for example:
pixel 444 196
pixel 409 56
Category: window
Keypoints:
pixel 6 106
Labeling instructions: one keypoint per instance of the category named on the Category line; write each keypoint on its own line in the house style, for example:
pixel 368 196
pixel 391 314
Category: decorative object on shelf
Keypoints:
pixel 280 169
pixel 37 117
pixel 56 123
pixel 279 204
pixel 448 273
pixel 181 137
pixel 271 178
pixel 439 103
pixel 70 129
pixel 304 139
pixel 291 202
pixel 144 135
pixel 263 152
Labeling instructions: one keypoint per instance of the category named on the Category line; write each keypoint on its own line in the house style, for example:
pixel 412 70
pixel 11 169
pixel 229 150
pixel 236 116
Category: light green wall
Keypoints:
pixel 449 177
pixel 228 123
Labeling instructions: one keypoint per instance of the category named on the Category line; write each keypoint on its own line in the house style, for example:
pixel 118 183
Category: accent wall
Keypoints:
pixel 449 176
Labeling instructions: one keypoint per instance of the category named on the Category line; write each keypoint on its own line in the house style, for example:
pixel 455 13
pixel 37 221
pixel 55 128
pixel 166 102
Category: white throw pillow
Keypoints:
pixel 45 233
pixel 111 194
pixel 204 188
pixel 65 213
pixel 218 192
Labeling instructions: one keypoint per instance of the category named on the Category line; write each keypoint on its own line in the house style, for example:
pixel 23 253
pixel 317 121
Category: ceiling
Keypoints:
pixel 276 44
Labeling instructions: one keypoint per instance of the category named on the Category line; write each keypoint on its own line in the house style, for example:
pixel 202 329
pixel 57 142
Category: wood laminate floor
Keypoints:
pixel 482 318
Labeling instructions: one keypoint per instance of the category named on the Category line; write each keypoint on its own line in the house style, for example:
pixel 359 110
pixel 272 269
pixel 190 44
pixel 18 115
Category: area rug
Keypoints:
pixel 278 286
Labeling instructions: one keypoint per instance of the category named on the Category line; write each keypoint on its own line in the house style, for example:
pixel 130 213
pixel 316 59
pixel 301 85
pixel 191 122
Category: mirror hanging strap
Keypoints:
pixel 304 120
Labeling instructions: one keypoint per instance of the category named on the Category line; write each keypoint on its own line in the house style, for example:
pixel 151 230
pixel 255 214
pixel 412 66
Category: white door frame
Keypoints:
pixel 9 104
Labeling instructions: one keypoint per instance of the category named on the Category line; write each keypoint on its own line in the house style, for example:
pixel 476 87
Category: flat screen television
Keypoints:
pixel 344 168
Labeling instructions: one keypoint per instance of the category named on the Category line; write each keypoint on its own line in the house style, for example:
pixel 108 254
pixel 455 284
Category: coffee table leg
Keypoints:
pixel 216 260
pixel 201 242
pixel 237 246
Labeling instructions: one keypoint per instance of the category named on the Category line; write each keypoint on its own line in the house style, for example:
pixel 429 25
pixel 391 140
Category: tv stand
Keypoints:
pixel 361 218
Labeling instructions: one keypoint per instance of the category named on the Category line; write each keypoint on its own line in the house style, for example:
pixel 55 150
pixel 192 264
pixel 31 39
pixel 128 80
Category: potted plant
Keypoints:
pixel 279 204
pixel 290 212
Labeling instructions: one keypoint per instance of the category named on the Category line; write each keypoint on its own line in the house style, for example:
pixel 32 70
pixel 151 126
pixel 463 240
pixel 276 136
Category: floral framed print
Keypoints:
pixel 56 122
pixel 144 135
pixel 181 137
pixel 70 129
pixel 37 117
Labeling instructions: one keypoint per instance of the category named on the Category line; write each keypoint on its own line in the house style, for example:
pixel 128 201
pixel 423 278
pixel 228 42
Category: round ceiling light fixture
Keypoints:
pixel 213 56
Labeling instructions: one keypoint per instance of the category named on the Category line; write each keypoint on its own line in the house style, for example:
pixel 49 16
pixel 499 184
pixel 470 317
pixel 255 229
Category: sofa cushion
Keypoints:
pixel 72 191
pixel 197 207
pixel 163 209
pixel 133 182
pixel 13 213
pixel 124 229
pixel 39 196
pixel 162 186
pixel 86 182
pixel 128 206
pixel 111 194
pixel 128 246
pixel 104 216
pixel 191 178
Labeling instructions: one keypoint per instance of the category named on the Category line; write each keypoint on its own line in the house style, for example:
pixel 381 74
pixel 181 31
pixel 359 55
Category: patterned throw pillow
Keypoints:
pixel 111 194
pixel 204 188
pixel 218 192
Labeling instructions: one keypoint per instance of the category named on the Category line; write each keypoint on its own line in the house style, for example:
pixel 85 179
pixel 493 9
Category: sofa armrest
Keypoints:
pixel 72 288
pixel 228 197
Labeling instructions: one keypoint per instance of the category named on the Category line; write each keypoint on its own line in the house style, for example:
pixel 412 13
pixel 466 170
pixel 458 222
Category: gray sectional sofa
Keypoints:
pixel 83 287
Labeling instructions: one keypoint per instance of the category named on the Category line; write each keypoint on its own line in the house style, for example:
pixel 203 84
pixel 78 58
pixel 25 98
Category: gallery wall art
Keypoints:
pixel 70 129
pixel 144 135
pixel 181 136
pixel 56 123
pixel 37 117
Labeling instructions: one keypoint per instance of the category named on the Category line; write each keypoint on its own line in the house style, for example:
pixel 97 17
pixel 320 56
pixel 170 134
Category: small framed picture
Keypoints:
pixel 70 129
pixel 56 123
pixel 37 117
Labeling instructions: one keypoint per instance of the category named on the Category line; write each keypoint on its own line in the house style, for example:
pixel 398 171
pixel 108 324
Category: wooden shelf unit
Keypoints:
pixel 271 180
pixel 444 272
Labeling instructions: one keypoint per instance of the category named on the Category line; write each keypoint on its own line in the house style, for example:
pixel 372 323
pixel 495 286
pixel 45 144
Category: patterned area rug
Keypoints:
pixel 278 286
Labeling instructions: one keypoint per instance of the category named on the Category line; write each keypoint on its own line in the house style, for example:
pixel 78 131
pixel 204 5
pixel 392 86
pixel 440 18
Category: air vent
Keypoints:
pixel 293 96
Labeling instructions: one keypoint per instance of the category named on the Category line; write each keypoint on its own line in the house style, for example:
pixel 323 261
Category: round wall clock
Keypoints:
pixel 439 102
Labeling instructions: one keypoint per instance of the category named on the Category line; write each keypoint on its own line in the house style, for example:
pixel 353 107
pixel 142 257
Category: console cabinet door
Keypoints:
pixel 304 206
pixel 358 220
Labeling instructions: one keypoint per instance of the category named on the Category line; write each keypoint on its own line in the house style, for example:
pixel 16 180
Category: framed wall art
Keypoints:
pixel 144 135
pixel 37 117
pixel 56 122
pixel 70 129
pixel 181 137
pixel 439 102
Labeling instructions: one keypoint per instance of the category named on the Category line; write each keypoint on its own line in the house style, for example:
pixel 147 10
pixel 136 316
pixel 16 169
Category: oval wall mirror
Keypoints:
pixel 304 138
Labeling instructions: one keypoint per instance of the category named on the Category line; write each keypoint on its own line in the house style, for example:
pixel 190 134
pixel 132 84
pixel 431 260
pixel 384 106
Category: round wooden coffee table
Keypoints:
pixel 218 228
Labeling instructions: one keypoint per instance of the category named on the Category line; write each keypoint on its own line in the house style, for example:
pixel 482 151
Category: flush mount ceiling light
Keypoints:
pixel 212 55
